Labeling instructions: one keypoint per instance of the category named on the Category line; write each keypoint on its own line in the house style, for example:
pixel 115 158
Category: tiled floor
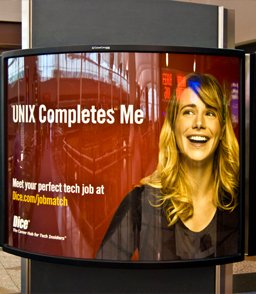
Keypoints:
pixel 246 266
pixel 10 272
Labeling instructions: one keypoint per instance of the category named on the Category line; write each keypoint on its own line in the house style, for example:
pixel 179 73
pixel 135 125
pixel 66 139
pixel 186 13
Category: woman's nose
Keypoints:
pixel 199 121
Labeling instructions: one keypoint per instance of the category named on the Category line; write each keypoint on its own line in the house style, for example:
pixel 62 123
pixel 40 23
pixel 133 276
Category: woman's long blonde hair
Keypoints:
pixel 170 175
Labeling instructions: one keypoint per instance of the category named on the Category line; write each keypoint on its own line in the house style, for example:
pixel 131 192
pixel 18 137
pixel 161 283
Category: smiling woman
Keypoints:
pixel 199 131
pixel 187 209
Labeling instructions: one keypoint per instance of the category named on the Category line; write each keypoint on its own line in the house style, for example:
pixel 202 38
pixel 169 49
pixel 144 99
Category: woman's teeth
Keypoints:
pixel 198 139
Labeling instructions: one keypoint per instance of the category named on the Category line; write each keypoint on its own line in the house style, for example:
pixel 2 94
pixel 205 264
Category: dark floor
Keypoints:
pixel 244 278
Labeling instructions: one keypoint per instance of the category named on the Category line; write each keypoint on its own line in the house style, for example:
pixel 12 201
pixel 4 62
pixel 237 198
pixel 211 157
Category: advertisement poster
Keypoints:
pixel 123 156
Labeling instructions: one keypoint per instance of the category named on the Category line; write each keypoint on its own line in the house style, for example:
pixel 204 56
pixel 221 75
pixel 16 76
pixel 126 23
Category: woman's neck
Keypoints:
pixel 202 190
pixel 201 178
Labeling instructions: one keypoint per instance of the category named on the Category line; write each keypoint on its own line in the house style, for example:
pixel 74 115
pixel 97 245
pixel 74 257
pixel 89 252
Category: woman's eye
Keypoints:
pixel 211 113
pixel 188 112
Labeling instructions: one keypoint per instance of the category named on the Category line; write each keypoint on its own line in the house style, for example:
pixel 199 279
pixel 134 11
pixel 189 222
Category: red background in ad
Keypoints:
pixel 112 158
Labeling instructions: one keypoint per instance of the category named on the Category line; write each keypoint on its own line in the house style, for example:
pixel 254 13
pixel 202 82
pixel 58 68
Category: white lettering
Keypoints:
pixel 20 223
pixel 129 116
pixel 23 113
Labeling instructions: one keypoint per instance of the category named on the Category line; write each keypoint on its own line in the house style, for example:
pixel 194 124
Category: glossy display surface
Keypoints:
pixel 82 131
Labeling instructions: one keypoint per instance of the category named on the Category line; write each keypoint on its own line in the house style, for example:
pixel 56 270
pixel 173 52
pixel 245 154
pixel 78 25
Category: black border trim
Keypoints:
pixel 124 264
pixel 2 156
pixel 252 159
pixel 122 48
pixel 242 152
pixel 130 48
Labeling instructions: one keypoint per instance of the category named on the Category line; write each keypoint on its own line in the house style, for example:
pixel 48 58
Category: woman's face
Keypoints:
pixel 197 128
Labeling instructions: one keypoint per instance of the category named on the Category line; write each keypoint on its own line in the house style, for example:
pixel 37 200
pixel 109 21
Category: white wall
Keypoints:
pixel 10 10
pixel 245 17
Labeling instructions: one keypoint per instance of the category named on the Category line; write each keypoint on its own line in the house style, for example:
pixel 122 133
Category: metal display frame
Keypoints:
pixel 223 273
pixel 144 49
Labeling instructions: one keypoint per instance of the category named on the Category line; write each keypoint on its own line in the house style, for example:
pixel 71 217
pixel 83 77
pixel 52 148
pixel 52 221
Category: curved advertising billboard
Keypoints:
pixel 124 154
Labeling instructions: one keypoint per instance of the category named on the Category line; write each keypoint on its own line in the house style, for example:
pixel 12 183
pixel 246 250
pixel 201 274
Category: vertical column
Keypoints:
pixel 26 18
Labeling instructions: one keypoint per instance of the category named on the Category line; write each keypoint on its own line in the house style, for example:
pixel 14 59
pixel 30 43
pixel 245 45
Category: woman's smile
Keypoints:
pixel 198 139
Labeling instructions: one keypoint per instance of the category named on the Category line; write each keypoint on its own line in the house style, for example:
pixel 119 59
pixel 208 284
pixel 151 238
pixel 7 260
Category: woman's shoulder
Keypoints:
pixel 228 218
pixel 137 201
pixel 144 191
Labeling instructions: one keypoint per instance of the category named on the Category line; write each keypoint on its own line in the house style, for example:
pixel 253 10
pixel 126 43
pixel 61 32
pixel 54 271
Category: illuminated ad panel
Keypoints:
pixel 124 155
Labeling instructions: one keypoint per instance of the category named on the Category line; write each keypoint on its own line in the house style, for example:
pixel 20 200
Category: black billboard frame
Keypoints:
pixel 123 48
